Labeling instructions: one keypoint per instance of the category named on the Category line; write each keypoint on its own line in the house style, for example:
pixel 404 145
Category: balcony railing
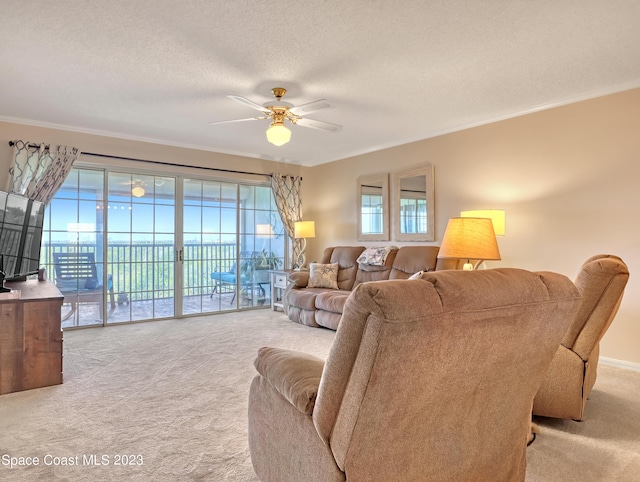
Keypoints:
pixel 146 271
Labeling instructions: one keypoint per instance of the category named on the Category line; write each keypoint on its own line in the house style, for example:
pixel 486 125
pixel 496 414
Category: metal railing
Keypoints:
pixel 146 271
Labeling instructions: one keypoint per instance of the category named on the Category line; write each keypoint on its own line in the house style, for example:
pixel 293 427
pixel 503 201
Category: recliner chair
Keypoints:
pixel 572 374
pixel 427 379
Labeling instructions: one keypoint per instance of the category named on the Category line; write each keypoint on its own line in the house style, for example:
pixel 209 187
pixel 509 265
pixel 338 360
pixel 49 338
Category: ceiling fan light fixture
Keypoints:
pixel 137 190
pixel 278 134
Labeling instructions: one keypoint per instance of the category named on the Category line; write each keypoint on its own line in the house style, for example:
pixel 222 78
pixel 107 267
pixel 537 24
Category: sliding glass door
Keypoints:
pixel 74 225
pixel 160 246
pixel 233 235
pixel 210 245
pixel 141 225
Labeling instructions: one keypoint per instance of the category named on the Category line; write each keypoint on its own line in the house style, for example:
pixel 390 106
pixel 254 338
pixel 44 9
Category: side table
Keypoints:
pixel 279 280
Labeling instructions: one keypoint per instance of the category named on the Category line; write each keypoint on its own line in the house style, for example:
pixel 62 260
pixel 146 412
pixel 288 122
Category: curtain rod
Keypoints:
pixel 173 164
pixel 33 146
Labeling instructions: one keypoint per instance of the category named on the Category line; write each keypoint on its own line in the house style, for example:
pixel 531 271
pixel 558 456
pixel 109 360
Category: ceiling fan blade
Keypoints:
pixel 238 120
pixel 310 107
pixel 316 124
pixel 250 103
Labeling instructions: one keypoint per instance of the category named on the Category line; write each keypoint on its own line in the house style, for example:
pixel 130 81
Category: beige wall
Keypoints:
pixel 568 179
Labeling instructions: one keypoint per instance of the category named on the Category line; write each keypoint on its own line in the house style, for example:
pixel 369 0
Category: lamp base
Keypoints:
pixel 301 259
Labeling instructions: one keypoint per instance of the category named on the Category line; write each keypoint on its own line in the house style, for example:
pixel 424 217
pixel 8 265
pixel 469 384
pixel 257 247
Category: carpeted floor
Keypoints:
pixel 167 401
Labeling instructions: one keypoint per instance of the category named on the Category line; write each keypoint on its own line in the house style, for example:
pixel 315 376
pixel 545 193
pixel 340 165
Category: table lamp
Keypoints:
pixel 469 238
pixel 303 230
pixel 497 217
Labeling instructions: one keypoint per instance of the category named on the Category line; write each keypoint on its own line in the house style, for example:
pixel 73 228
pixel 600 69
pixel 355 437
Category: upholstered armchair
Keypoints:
pixel 429 379
pixel 568 383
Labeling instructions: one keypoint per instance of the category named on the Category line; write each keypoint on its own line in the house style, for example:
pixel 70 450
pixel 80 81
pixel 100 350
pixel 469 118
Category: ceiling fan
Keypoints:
pixel 279 111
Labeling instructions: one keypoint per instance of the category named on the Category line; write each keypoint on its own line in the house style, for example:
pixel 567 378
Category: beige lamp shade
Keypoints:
pixel 305 229
pixel 497 216
pixel 469 238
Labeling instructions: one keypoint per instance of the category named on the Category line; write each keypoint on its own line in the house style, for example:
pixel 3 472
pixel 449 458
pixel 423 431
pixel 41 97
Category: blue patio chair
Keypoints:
pixel 226 279
pixel 255 280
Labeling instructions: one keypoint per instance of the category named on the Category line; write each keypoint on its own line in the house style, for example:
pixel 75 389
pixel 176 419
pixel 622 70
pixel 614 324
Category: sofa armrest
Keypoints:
pixel 295 375
pixel 300 279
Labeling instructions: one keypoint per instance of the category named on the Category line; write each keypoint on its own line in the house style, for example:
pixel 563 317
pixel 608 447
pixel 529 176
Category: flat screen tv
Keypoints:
pixel 21 222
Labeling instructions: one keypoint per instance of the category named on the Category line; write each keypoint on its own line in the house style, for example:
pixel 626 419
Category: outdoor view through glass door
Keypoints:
pixel 145 247
pixel 73 246
pixel 141 225
pixel 233 235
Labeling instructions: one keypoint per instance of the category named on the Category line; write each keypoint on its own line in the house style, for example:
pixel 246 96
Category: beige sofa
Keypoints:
pixel 426 380
pixel 324 307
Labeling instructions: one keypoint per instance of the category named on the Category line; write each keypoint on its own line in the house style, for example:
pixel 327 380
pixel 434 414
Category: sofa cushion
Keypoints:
pixel 323 275
pixel 304 298
pixel 328 319
pixel 332 301
pixel 304 317
pixel 346 257
pixel 411 259
pixel 370 272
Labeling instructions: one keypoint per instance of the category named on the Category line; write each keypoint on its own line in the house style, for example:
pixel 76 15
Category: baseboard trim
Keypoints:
pixel 612 362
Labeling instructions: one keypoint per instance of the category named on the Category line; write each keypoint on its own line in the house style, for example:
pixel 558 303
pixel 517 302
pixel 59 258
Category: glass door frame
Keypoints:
pixel 257 236
pixel 179 247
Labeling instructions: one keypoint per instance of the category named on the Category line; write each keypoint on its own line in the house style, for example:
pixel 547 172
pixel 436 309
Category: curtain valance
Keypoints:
pixel 38 171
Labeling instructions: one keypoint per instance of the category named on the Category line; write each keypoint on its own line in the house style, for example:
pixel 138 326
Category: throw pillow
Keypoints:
pixel 323 275
pixel 375 256
pixel 417 275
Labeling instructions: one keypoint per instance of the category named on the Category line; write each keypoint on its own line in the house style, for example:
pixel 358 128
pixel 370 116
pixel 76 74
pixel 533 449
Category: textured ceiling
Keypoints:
pixel 393 71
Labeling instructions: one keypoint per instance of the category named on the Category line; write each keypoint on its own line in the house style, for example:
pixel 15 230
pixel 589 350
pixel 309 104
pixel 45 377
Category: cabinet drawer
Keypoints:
pixel 280 281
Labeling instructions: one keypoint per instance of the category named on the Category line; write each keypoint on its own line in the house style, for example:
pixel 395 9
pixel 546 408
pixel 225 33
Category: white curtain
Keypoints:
pixel 38 172
pixel 286 191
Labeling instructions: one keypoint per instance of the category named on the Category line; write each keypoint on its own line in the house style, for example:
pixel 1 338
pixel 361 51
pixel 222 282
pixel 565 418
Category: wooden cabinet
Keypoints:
pixel 30 337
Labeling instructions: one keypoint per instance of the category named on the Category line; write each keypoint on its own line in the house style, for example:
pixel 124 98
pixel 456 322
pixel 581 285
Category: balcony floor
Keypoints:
pixel 87 314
